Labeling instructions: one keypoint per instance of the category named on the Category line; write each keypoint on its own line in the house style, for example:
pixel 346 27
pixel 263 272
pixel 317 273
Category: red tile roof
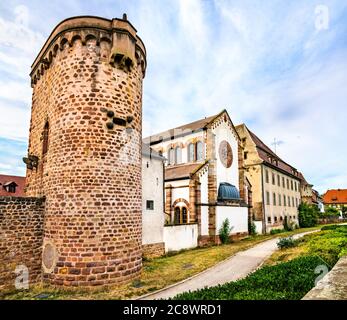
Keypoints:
pixel 6 180
pixel 335 196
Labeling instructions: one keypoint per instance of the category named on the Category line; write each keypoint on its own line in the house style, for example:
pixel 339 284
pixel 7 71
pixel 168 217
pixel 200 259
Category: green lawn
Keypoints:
pixel 278 280
pixel 157 273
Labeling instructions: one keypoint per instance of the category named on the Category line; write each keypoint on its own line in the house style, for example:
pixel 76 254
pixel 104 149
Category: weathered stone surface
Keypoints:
pixel 333 286
pixel 21 235
pixel 90 172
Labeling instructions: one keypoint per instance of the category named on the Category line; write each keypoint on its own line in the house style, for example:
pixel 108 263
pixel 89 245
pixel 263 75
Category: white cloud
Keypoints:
pixel 264 61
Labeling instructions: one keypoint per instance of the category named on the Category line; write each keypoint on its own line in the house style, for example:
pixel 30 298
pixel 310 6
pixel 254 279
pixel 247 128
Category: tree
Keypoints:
pixel 331 212
pixel 308 215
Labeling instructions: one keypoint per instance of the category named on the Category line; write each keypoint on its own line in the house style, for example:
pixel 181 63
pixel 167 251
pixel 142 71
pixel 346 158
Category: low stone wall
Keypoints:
pixel 21 233
pixel 153 250
pixel 331 220
pixel 333 286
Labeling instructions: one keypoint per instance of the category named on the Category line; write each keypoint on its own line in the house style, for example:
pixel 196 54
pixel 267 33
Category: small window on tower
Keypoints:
pixel 150 205
pixel 45 136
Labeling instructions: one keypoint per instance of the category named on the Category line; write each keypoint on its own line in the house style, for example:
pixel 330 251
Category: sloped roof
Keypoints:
pixel 6 180
pixel 181 171
pixel 183 130
pixel 335 196
pixel 265 152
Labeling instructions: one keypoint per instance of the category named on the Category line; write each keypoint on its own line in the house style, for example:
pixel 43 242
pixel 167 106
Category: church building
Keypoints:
pixel 204 176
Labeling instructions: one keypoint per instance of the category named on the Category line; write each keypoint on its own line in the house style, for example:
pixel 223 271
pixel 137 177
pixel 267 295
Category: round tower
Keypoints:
pixel 84 152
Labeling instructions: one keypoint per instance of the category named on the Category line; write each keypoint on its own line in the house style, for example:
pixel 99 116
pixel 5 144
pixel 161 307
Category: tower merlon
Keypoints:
pixel 127 47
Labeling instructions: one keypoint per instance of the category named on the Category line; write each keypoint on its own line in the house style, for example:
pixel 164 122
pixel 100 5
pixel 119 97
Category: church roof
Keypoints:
pixel 181 171
pixel 183 130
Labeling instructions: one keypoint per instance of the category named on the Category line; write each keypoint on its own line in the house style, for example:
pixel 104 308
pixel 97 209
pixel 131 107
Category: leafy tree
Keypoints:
pixel 344 212
pixel 331 212
pixel 308 215
pixel 225 231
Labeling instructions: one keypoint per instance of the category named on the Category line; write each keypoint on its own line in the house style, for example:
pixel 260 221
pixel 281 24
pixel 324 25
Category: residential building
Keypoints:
pixel 275 183
pixel 12 186
pixel 306 190
pixel 336 198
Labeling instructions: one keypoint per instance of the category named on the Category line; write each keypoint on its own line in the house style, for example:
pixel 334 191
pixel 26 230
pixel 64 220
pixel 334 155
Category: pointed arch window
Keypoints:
pixel 45 138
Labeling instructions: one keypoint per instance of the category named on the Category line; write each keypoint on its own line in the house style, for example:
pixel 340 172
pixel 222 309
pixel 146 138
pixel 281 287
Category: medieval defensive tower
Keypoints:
pixel 84 151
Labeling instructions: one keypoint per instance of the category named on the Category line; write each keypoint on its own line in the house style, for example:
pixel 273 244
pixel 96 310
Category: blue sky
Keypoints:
pixel 271 65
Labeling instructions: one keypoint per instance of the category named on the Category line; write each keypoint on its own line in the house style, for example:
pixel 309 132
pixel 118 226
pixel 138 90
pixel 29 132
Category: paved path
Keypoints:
pixel 232 269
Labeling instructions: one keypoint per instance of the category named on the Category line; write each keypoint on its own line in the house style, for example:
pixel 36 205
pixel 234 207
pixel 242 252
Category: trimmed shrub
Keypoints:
pixel 285 281
pixel 276 231
pixel 284 243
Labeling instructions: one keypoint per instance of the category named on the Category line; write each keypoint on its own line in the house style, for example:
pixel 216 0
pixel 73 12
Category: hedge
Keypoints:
pixel 285 281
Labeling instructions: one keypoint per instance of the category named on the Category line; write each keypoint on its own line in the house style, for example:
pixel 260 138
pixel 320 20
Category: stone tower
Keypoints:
pixel 84 151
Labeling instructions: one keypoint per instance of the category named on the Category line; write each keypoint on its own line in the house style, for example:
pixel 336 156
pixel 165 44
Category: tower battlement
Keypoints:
pixel 118 35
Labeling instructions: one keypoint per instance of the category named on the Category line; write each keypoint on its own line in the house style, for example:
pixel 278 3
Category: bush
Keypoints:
pixel 224 231
pixel 331 212
pixel 332 227
pixel 308 215
pixel 285 281
pixel 252 229
pixel 330 245
pixel 276 231
pixel 286 243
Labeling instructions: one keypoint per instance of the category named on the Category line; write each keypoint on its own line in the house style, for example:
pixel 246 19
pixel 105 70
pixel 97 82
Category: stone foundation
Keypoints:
pixel 21 232
pixel 215 240
pixel 153 250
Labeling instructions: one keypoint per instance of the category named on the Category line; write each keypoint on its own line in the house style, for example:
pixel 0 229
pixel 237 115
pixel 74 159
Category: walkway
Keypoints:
pixel 232 269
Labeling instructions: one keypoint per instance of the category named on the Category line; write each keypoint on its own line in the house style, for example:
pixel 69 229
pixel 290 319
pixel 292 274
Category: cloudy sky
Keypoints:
pixel 280 67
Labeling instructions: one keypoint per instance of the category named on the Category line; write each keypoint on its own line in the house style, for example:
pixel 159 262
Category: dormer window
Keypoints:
pixel 10 187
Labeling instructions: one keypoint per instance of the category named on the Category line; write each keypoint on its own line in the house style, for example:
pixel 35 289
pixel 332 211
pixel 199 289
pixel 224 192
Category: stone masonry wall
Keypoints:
pixel 89 90
pixel 21 234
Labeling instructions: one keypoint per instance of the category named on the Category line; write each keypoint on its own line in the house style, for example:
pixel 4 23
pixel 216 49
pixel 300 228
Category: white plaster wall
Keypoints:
pixel 180 237
pixel 204 220
pixel 230 175
pixel 152 189
pixel 258 227
pixel 204 187
pixel 180 193
pixel 238 218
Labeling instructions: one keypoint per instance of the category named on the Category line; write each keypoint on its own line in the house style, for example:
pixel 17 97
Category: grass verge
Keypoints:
pixel 289 280
pixel 157 273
